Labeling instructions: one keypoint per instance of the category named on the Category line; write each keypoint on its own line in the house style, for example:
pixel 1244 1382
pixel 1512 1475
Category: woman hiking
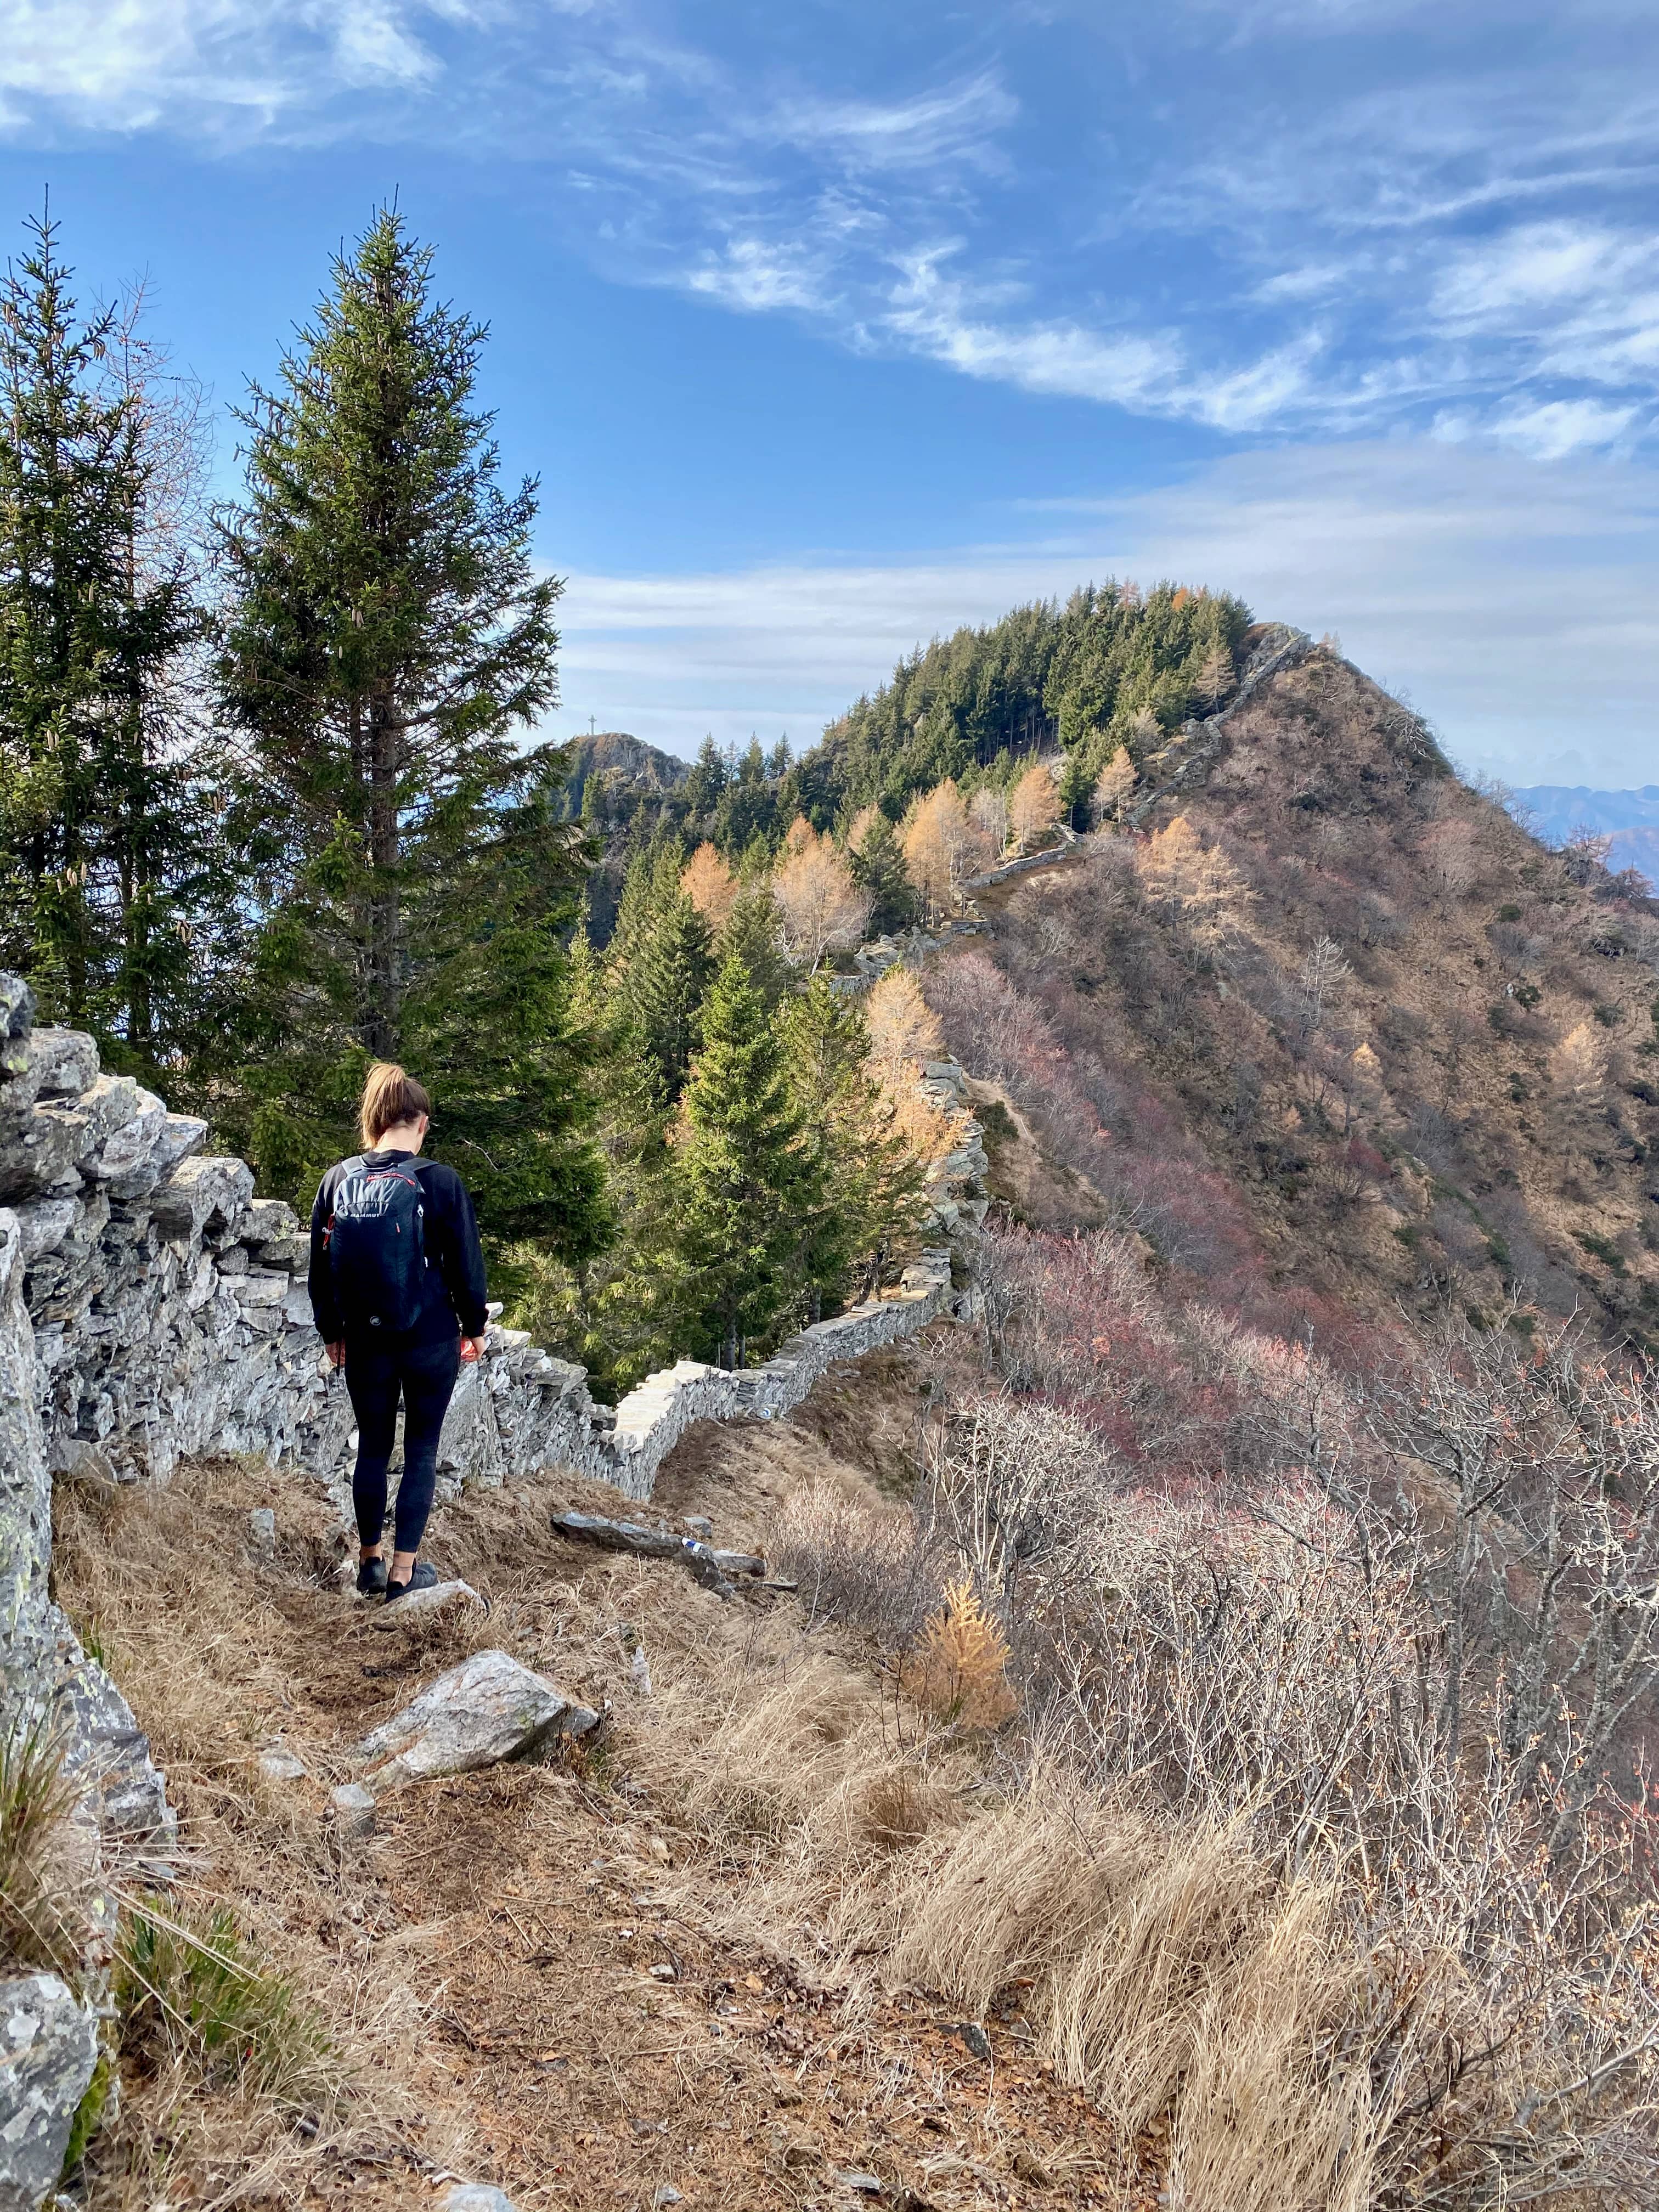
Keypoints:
pixel 398 1294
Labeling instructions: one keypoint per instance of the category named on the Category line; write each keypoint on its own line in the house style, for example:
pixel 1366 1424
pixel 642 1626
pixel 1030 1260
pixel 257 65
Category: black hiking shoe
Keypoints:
pixel 424 1576
pixel 371 1577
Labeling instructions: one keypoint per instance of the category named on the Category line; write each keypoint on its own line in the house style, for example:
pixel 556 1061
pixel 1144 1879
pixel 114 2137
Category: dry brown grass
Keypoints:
pixel 259 2046
pixel 482 1969
pixel 1175 1978
pixel 45 1859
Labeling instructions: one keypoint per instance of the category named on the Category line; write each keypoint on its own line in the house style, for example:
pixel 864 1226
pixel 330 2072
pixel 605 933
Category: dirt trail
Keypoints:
pixel 545 1977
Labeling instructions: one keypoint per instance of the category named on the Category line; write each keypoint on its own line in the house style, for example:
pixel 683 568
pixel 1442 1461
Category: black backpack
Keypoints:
pixel 377 1245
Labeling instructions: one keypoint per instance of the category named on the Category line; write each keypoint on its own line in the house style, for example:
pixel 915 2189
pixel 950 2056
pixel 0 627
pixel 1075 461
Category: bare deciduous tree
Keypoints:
pixel 819 905
pixel 1114 785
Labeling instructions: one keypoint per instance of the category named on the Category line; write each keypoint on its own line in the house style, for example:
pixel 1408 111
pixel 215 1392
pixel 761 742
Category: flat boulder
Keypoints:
pixel 487 1710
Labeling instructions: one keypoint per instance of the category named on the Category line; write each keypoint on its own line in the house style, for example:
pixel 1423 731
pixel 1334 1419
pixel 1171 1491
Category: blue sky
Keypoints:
pixel 829 327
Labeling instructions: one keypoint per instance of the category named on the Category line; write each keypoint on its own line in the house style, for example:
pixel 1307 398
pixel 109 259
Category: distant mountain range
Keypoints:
pixel 1631 818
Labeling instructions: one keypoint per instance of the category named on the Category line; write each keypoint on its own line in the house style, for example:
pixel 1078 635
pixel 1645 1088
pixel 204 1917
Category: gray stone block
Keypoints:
pixel 48 2049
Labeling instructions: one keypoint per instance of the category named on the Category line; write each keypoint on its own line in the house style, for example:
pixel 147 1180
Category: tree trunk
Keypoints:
pixel 385 951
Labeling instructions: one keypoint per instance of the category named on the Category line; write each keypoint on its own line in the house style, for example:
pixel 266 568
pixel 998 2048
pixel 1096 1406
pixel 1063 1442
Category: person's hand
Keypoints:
pixel 471 1350
pixel 337 1354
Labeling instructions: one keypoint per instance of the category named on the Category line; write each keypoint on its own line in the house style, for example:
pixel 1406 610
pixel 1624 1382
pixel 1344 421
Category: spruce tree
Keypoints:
pixel 661 965
pixel 750 935
pixel 613 1309
pixel 106 832
pixel 878 867
pixel 741 1176
pixel 386 643
pixel 864 1184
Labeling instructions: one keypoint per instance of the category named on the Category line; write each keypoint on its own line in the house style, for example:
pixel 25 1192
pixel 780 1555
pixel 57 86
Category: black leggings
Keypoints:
pixel 424 1375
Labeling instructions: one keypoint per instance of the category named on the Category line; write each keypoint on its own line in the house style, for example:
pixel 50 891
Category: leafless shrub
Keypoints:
pixel 1289 1673
pixel 876 1570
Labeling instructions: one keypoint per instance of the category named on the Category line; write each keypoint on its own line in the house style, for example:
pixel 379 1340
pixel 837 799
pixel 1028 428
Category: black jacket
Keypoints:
pixel 454 1257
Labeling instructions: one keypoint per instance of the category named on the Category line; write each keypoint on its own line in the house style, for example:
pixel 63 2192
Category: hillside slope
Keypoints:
pixel 1375 1043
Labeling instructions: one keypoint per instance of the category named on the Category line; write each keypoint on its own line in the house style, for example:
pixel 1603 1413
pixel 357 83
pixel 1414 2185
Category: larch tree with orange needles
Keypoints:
pixel 904 1031
pixel 1033 807
pixel 710 885
pixel 1114 785
pixel 1201 891
pixel 939 841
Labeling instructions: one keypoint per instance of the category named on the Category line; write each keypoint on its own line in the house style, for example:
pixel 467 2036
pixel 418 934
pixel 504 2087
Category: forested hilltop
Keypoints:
pixel 1114 670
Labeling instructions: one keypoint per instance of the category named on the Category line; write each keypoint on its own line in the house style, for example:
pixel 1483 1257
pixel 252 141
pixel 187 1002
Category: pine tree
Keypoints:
pixel 106 832
pixel 742 1177
pixel 751 936
pixel 866 1182
pixel 660 966
pixel 386 640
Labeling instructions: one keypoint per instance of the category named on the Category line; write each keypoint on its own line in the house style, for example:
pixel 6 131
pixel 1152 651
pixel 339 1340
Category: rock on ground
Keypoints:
pixel 488 1708
pixel 48 2049
pixel 438 1598
pixel 474 2196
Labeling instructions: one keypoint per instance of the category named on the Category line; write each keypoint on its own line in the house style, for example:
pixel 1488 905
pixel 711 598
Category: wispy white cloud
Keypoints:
pixel 203 65
pixel 1467 244
pixel 1512 600
pixel 951 123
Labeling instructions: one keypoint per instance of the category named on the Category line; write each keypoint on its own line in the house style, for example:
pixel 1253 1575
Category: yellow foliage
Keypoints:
pixel 819 906
pixel 1114 785
pixel 959 1668
pixel 710 885
pixel 939 842
pixel 1196 883
pixel 903 1028
pixel 1033 807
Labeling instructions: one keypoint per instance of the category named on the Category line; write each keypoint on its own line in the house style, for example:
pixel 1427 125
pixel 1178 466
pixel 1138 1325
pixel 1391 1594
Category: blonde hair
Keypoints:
pixel 389 1097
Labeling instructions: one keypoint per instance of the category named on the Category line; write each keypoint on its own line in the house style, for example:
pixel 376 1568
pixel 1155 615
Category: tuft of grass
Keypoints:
pixel 897 1810
pixel 37 1911
pixel 201 1995
pixel 89 2112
